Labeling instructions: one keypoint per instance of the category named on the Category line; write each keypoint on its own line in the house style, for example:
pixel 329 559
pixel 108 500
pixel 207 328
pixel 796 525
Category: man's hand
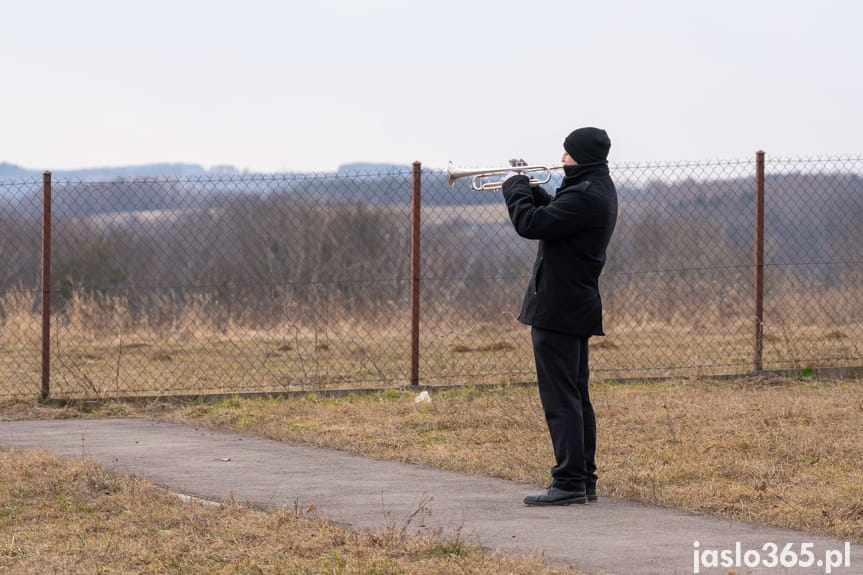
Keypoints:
pixel 515 163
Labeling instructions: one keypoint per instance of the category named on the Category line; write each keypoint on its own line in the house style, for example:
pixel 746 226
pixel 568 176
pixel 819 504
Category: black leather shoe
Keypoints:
pixel 555 496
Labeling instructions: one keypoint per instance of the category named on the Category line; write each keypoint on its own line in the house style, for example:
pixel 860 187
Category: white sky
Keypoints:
pixel 270 85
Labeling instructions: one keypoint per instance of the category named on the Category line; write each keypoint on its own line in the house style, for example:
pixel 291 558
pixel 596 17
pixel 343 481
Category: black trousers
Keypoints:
pixel 562 372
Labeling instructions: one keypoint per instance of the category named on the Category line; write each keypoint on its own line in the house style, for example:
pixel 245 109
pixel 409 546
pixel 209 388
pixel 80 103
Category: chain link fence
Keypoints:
pixel 222 284
pixel 20 257
pixel 813 296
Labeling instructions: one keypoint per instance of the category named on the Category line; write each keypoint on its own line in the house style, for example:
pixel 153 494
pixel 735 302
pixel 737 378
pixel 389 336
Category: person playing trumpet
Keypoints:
pixel 563 305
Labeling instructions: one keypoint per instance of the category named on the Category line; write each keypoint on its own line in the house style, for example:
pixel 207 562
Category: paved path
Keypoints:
pixel 617 537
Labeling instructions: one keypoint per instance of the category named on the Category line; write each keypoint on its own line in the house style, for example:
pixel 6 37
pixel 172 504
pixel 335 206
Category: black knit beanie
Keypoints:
pixel 587 145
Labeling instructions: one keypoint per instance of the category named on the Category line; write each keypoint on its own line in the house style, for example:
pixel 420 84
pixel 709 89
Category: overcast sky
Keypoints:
pixel 285 85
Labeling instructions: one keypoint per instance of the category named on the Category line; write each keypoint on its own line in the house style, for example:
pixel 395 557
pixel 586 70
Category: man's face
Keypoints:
pixel 567 160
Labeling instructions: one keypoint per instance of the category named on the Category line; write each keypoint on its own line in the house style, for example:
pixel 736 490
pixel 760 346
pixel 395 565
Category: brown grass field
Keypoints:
pixel 67 516
pixel 99 350
pixel 775 451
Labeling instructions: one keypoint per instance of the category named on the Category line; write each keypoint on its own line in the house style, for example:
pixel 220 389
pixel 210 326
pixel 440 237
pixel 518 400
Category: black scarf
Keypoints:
pixel 580 172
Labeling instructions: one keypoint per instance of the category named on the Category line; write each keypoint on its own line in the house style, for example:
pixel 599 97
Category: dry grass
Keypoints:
pixel 301 361
pixel 21 325
pixel 100 348
pixel 776 452
pixel 62 516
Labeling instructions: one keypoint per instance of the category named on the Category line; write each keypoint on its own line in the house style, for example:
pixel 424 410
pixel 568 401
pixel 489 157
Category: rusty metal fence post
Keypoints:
pixel 759 261
pixel 416 205
pixel 46 285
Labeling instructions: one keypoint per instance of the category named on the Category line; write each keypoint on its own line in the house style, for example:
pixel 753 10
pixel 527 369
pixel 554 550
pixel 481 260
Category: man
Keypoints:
pixel 562 303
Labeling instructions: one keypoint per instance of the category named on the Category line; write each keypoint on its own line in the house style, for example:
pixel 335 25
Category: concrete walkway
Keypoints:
pixel 617 537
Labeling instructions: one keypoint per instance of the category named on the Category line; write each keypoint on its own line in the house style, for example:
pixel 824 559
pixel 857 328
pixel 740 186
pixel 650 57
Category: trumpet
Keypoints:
pixel 480 177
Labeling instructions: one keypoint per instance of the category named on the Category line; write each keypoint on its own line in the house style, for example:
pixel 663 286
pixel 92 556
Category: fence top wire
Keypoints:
pixel 736 161
pixel 240 177
pixel 15 182
pixel 653 165
pixel 816 159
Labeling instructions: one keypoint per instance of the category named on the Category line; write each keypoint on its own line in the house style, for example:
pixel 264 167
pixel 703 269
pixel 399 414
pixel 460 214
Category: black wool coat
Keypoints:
pixel 573 228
